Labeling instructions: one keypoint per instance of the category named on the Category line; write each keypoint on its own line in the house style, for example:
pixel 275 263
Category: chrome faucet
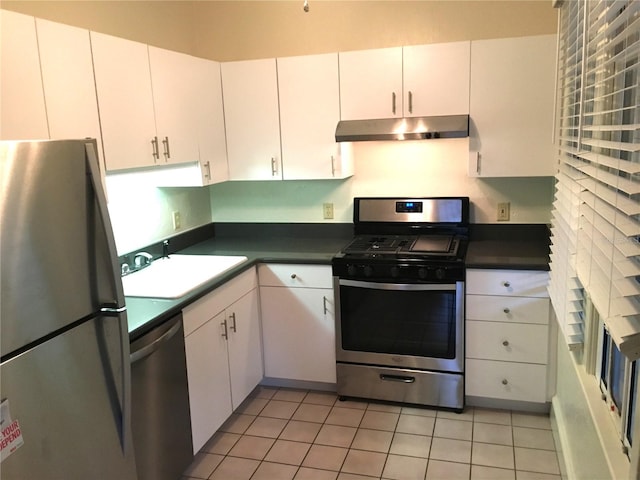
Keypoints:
pixel 142 259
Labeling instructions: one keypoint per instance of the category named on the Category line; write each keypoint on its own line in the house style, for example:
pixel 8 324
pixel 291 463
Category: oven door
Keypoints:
pixel 418 326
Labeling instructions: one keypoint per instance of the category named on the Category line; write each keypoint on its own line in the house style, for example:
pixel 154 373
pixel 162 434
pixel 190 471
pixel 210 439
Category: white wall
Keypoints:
pixel 590 446
pixel 413 168
pixel 142 214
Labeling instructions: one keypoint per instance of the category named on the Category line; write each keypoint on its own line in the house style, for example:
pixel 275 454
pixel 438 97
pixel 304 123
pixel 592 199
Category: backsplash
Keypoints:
pixel 413 168
pixel 141 214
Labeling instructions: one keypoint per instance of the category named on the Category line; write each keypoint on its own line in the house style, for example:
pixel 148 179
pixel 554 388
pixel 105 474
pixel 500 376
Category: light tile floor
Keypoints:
pixel 287 434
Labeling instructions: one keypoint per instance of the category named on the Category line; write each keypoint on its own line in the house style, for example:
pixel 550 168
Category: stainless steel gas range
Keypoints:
pixel 399 291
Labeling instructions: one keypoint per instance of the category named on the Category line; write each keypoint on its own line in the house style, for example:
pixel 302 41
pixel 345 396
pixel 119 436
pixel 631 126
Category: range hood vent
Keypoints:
pixel 412 128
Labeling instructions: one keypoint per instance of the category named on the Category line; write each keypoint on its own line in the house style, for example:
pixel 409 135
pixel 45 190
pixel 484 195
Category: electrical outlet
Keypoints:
pixel 175 216
pixel 503 211
pixel 327 211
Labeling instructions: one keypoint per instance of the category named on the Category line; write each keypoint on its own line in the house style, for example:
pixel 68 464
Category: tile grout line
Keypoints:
pixel 359 427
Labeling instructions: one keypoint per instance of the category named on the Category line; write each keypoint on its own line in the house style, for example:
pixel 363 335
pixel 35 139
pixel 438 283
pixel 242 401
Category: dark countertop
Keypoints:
pixel 522 247
pixel 266 244
pixel 517 247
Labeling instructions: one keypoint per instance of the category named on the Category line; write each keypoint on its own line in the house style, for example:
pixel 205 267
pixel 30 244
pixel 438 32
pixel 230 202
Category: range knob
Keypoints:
pixel 368 271
pixel 352 270
pixel 395 271
pixel 440 273
pixel 422 273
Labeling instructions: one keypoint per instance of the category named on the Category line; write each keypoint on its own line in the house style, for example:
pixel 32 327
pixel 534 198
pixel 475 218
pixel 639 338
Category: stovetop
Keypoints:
pixel 414 245
pixel 406 240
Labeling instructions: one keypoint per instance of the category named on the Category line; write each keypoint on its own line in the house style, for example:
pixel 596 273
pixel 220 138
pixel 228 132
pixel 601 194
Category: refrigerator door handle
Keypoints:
pixel 126 439
pixel 92 163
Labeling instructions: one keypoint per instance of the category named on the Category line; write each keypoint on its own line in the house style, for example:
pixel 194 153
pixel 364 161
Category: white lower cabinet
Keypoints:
pixel 298 322
pixel 224 353
pixel 507 335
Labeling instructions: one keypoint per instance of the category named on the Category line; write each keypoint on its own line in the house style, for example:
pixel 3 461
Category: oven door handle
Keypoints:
pixel 398 286
pixel 397 378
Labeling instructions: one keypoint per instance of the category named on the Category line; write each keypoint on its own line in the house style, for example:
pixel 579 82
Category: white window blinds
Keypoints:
pixel 596 216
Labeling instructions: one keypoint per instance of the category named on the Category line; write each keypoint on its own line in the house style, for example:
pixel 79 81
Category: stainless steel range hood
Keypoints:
pixel 411 128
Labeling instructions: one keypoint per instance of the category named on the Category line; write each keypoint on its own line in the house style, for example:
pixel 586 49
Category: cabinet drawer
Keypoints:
pixel 508 381
pixel 295 275
pixel 197 314
pixel 494 308
pixel 524 343
pixel 523 283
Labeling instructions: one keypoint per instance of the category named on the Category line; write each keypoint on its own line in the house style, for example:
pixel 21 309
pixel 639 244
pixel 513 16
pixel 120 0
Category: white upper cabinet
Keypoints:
pixel 150 104
pixel 23 114
pixel 175 104
pixel 412 81
pixel 436 79
pixel 371 84
pixel 512 107
pixel 69 87
pixel 250 93
pixel 125 100
pixel 207 93
pixel 309 94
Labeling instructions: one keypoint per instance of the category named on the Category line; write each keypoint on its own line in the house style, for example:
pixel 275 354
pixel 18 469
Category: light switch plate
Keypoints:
pixel 504 212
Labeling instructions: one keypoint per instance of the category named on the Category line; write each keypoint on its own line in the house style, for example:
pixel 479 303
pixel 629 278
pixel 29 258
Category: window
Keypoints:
pixel 596 214
pixel 618 383
pixel 595 254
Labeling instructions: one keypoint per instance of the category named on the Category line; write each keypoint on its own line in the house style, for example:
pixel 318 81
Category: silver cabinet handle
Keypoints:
pixel 505 381
pixel 506 310
pixel 410 101
pixel 226 333
pixel 393 102
pixel 233 322
pixel 167 153
pixel 324 304
pixel 505 343
pixel 274 167
pixel 333 166
pixel 154 146
pixel 207 165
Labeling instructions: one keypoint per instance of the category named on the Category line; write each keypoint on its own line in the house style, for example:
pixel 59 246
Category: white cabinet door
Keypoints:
pixel 512 107
pixel 175 101
pixel 520 283
pixel 309 93
pixel 245 346
pixel 436 79
pixel 22 107
pixel 125 100
pixel 208 376
pixel 210 122
pixel 250 93
pixel 371 84
pixel 509 342
pixel 506 380
pixel 69 86
pixel 299 333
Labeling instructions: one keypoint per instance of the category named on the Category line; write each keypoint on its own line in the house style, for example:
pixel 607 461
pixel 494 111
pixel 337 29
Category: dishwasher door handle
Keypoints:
pixel 155 345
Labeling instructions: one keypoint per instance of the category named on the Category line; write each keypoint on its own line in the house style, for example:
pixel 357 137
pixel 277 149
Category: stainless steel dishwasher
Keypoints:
pixel 161 421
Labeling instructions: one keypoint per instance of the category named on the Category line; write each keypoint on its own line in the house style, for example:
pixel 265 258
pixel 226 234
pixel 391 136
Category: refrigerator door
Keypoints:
pixel 57 253
pixel 67 398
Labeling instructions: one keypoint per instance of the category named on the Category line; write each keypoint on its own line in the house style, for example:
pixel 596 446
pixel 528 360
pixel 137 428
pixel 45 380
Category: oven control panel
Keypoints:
pixel 399 272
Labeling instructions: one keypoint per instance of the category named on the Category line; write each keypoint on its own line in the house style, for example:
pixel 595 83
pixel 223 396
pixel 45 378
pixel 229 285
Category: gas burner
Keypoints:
pixel 406 239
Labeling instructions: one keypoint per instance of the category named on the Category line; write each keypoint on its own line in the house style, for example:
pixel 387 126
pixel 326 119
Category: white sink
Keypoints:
pixel 177 275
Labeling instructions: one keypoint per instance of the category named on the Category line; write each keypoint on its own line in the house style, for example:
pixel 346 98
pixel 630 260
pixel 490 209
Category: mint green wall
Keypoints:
pixel 415 168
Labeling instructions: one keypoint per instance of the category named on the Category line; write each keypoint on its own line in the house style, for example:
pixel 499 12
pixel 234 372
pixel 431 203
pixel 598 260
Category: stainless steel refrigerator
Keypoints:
pixel 64 370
